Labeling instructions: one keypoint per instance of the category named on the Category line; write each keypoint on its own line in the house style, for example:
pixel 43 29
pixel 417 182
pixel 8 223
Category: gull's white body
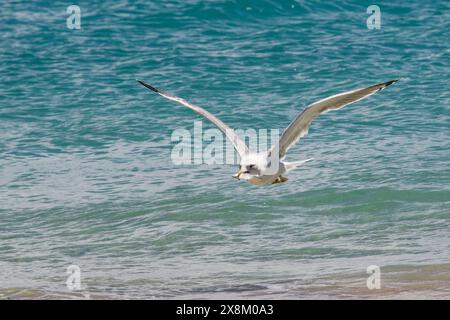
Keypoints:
pixel 266 178
pixel 268 175
pixel 268 168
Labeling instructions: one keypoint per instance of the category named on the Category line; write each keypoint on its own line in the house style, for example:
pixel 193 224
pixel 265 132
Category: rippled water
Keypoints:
pixel 85 170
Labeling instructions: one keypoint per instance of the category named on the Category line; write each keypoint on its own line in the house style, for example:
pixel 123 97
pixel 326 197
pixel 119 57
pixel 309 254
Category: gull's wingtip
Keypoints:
pixel 384 85
pixel 388 83
pixel 148 86
pixel 391 82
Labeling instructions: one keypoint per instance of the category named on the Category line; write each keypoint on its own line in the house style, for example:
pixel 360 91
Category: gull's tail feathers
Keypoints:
pixel 294 164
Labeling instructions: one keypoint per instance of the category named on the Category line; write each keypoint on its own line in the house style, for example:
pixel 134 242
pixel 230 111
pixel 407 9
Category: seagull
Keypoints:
pixel 266 168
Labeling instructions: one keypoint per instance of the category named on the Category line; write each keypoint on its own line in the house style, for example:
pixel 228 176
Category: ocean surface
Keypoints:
pixel 87 179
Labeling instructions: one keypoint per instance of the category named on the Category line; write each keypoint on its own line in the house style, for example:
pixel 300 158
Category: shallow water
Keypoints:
pixel 86 176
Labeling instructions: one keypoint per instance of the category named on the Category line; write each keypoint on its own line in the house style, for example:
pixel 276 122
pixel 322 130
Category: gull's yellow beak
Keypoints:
pixel 238 174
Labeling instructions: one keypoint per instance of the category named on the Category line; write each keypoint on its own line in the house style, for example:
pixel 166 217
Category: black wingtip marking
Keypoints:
pixel 386 84
pixel 390 82
pixel 148 86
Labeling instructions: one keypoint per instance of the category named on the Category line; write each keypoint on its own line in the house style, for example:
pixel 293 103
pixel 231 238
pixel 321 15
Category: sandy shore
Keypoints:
pixel 397 282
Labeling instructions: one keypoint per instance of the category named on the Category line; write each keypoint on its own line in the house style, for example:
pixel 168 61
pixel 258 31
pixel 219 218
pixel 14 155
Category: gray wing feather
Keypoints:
pixel 238 144
pixel 299 127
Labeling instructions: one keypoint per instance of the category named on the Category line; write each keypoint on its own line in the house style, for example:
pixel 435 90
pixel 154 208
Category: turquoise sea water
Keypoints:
pixel 86 176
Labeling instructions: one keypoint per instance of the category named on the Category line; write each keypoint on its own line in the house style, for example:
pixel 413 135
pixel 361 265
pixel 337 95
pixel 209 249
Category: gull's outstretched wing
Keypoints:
pixel 240 145
pixel 299 127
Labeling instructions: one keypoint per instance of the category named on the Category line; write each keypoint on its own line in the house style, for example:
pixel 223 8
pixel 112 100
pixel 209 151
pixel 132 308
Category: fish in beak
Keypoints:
pixel 239 173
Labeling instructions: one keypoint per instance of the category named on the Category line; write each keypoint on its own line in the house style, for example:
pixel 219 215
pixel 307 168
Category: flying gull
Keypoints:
pixel 269 167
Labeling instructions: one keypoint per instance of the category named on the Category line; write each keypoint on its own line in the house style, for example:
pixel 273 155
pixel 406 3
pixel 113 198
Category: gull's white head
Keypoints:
pixel 252 165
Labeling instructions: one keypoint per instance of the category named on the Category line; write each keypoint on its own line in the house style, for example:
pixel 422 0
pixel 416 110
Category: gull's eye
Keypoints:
pixel 251 166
